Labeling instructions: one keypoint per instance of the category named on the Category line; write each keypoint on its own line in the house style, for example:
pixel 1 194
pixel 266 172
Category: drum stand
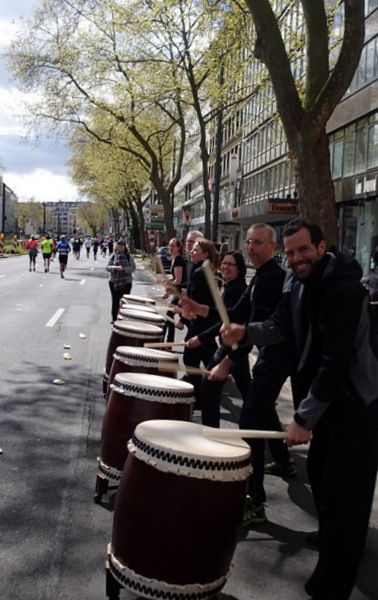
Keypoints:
pixel 102 482
pixel 112 586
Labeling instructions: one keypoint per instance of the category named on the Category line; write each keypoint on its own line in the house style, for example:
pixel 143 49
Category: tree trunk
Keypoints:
pixel 314 182
pixel 166 200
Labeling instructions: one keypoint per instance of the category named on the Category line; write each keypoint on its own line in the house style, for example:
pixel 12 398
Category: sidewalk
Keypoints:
pixel 272 560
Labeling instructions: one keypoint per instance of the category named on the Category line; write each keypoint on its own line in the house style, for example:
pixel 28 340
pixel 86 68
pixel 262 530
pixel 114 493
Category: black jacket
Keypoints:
pixel 326 319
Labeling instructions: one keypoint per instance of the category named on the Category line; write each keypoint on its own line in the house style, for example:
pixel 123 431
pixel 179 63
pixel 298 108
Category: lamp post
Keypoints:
pixel 44 218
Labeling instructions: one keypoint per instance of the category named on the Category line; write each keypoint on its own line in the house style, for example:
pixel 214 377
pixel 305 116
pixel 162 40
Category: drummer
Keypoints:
pixel 270 370
pixel 178 278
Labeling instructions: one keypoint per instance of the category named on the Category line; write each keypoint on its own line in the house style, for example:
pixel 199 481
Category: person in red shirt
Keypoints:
pixel 32 246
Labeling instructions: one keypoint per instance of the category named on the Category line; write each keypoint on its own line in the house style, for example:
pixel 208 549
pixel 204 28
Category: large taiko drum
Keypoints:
pixel 134 314
pixel 129 298
pixel 178 509
pixel 133 359
pixel 129 333
pixel 133 398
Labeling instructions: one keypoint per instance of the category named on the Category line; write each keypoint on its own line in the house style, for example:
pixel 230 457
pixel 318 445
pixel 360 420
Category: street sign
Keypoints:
pixel 187 215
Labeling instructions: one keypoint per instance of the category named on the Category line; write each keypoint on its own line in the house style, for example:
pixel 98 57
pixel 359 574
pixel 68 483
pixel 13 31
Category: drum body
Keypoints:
pixel 133 359
pixel 130 333
pixel 134 314
pixel 178 509
pixel 133 398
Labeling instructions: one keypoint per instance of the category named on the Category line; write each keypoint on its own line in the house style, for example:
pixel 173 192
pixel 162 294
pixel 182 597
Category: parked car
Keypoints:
pixel 165 257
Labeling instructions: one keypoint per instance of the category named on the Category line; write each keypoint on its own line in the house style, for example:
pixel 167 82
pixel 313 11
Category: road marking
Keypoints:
pixel 1 276
pixel 82 281
pixel 55 317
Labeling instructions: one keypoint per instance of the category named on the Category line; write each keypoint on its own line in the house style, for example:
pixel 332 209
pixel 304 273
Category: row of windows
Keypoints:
pixel 354 149
pixel 275 182
pixel 367 70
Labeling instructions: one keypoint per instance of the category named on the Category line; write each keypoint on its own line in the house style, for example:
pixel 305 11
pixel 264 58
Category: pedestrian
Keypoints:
pixel 121 266
pixel 47 247
pixel 95 246
pixel 87 245
pixel 270 371
pixel 54 246
pixel 104 247
pixel 32 246
pixel 63 249
pixel 198 290
pixel 76 248
pixel 110 246
pixel 178 278
pixel 325 312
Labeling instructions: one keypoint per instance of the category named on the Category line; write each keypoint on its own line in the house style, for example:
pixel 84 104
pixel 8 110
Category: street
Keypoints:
pixel 53 535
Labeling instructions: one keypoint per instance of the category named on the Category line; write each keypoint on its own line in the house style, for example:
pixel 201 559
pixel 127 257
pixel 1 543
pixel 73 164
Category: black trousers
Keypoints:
pixel 211 391
pixel 116 297
pixel 342 468
pixel 193 357
pixel 269 373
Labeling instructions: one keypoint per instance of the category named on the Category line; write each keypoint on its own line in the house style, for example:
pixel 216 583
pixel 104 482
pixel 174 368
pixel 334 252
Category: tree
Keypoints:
pixel 305 110
pixel 28 211
pixel 108 175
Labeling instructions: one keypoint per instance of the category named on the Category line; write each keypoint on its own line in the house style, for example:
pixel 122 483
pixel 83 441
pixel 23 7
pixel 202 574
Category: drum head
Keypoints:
pixel 181 447
pixel 137 329
pixel 154 388
pixel 144 356
pixel 138 299
pixel 134 314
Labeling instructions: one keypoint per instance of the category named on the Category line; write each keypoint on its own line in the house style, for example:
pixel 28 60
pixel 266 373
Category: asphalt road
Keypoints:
pixel 53 536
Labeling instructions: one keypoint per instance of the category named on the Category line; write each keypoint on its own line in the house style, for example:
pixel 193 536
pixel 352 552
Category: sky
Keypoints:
pixel 31 171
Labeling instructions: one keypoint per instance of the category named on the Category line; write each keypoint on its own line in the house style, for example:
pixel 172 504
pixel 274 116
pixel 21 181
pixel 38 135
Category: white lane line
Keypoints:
pixel 82 281
pixel 55 317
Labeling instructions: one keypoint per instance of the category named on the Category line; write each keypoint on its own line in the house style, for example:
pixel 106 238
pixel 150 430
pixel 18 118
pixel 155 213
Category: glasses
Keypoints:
pixel 228 264
pixel 254 242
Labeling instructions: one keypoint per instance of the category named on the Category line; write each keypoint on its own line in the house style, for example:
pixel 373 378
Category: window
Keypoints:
pixel 373 146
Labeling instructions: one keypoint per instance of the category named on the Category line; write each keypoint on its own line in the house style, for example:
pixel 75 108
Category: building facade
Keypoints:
pixel 257 180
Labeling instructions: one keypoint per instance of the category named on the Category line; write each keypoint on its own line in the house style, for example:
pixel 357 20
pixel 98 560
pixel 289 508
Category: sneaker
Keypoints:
pixel 253 513
pixel 275 468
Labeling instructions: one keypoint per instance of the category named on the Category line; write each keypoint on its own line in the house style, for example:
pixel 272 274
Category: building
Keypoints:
pixel 60 217
pixel 8 201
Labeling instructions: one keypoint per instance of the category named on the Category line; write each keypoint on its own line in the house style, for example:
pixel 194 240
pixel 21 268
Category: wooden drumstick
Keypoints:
pixel 174 368
pixel 163 344
pixel 209 274
pixel 174 289
pixel 243 433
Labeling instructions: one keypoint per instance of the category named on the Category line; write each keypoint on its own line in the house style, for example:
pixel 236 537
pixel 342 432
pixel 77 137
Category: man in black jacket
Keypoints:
pixel 324 314
pixel 270 371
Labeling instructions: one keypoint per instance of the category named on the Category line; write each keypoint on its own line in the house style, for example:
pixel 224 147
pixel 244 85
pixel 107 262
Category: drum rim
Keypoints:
pixel 153 588
pixel 154 388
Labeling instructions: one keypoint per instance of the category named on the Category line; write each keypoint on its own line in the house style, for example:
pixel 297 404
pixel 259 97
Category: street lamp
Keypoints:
pixel 44 218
